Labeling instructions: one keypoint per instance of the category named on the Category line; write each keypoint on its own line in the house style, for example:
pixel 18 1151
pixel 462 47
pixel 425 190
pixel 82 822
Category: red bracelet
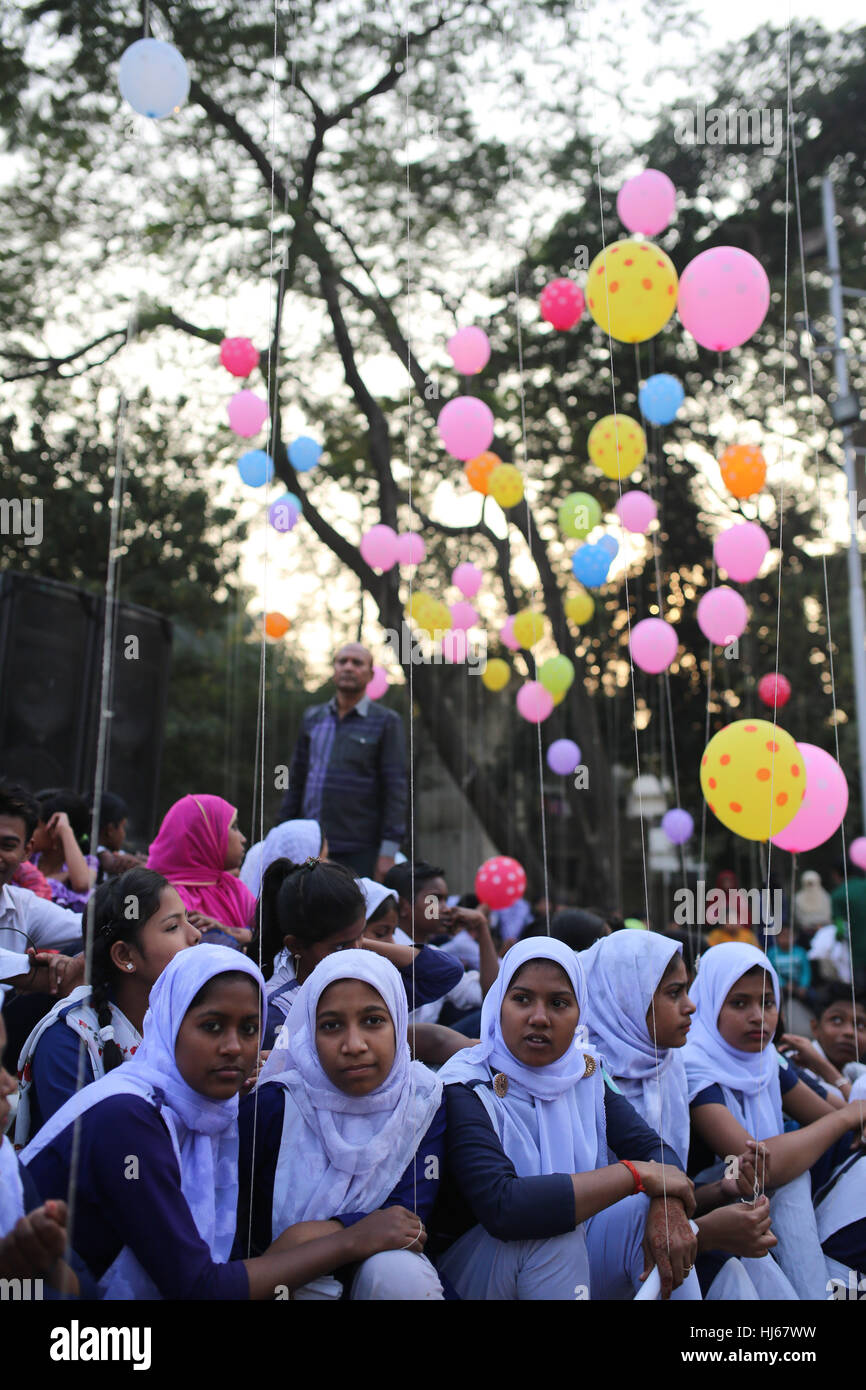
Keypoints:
pixel 638 1181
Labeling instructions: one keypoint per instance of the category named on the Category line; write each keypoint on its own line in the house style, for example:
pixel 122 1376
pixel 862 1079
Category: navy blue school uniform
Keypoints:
pixel 148 1211
pixel 262 1114
pixel 431 975
pixel 54 1072
pixel 480 1184
pixel 701 1156
pixel 33 1199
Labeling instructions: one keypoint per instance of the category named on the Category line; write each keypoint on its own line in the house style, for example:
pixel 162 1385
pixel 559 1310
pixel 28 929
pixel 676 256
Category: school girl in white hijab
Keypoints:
pixel 546 1124
pixel 297 840
pixel 624 971
pixel 319 1153
pixel 156 1190
pixel 746 1102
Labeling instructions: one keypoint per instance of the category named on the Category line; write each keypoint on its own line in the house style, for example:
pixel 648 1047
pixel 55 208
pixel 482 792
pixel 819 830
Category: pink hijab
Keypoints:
pixel 190 851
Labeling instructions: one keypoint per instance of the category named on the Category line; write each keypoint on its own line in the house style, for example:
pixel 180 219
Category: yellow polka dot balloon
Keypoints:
pixel 496 674
pixel 505 485
pixel 579 608
pixel 631 290
pixel 617 445
pixel 528 627
pixel 753 778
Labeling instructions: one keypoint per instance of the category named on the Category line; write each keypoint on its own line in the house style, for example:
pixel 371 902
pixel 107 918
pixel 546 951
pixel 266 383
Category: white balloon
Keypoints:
pixel 153 78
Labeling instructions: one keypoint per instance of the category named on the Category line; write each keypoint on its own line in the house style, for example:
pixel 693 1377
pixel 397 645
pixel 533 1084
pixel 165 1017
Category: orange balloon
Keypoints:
pixel 744 470
pixel 276 625
pixel 478 471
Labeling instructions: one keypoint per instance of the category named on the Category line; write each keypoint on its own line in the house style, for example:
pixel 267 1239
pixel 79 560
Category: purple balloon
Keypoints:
pixel 563 757
pixel 678 826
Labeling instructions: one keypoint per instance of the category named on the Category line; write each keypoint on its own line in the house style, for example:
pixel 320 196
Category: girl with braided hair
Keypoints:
pixel 309 911
pixel 140 923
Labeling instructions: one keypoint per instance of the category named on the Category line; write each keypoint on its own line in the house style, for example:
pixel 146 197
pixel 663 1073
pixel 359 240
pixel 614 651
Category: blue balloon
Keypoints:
pixel 256 468
pixel 660 398
pixel 591 564
pixel 304 453
pixel 610 544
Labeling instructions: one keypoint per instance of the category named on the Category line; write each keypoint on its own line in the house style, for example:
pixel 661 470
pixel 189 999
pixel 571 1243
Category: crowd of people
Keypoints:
pixel 316 1072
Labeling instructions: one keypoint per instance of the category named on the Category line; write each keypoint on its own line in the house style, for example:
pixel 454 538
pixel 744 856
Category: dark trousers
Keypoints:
pixel 363 861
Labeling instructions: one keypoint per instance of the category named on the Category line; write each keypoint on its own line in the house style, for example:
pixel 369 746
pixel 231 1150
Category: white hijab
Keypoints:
pixel 712 1061
pixel 375 894
pixel 623 972
pixel 342 1153
pixel 204 1132
pixel 297 840
pixel 551 1119
pixel 11 1190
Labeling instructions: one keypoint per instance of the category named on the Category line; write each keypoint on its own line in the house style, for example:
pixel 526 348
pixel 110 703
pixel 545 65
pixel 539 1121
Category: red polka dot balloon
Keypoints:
pixel 753 777
pixel 500 882
pixel 774 690
pixel 561 304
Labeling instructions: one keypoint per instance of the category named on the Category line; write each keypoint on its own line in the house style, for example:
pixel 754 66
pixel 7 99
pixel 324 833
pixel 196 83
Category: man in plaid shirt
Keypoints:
pixel 348 771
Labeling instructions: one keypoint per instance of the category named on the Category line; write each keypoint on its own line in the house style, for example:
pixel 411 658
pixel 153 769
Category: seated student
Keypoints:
pixel 171 1110
pixel 577 928
pixel 199 849
pixel 738 1085
pixel 30 927
pixel 113 859
pixel 836 1054
pixel 640 1016
pixel 530 1122
pixel 729 921
pixel 28 876
pixel 343 1123
pixel 60 848
pixel 297 840
pixel 130 951
pixel 424 914
pixel 32 1234
pixel 309 911
pixel 381 907
pixel 791 964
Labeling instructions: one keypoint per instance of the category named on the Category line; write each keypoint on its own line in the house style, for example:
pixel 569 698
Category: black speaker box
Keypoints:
pixel 51 638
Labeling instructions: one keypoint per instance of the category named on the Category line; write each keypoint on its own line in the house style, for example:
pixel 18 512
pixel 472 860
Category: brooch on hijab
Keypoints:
pixel 500 1084
pixel 311 862
pixel 590 1065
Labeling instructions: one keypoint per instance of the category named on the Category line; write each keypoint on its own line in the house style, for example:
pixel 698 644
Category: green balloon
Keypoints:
pixel 556 674
pixel 578 515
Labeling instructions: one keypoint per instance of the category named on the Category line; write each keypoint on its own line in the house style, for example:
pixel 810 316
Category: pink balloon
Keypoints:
pixel 636 510
pixel 534 702
pixel 410 548
pixel 646 203
pixel 238 356
pixel 467 578
pixel 506 633
pixel 653 645
pixel 379 547
pixel 857 852
pixel 723 298
pixel 466 427
pixel 463 616
pixel 822 809
pixel 741 550
pixel 469 350
pixel 247 413
pixel 722 615
pixel 455 646
pixel 378 683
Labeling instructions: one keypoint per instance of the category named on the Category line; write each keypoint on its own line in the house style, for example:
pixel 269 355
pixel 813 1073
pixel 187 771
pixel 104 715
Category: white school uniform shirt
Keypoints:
pixel 465 995
pixel 465 948
pixel 28 920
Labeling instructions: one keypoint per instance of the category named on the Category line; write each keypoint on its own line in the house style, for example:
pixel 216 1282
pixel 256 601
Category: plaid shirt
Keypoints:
pixel 350 775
